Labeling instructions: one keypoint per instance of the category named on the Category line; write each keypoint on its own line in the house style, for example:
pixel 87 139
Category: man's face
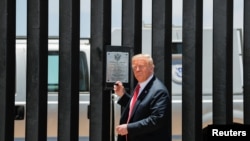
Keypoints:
pixel 141 68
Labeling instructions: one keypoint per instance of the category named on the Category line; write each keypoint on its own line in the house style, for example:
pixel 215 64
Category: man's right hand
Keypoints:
pixel 119 88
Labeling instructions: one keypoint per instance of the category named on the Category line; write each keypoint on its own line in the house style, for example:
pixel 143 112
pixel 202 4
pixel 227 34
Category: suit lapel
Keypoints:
pixel 142 95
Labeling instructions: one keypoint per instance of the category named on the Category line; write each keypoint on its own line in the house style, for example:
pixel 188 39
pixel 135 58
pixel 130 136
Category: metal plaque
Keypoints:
pixel 117 67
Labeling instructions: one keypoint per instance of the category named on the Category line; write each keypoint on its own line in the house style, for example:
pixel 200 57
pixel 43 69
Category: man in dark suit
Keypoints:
pixel 147 119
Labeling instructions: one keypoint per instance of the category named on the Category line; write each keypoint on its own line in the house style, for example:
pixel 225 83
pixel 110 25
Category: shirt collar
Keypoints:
pixel 143 84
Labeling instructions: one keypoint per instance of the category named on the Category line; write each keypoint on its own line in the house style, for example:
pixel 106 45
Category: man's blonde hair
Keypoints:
pixel 146 56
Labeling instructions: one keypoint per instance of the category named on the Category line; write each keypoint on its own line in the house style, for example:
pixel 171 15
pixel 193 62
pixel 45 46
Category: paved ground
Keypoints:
pixel 55 139
pixel 174 138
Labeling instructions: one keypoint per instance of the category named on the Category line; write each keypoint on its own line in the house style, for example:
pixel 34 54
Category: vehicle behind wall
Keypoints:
pixel 53 87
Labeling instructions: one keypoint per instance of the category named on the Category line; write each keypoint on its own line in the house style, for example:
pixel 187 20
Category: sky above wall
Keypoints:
pixel 21 16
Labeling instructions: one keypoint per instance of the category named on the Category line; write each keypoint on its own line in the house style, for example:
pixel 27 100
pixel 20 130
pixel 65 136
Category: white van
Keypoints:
pixel 53 67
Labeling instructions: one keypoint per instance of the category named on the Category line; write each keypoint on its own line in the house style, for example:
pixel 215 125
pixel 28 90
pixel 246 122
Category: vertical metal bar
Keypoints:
pixel 37 62
pixel 222 61
pixel 7 68
pixel 132 24
pixel 132 27
pixel 161 46
pixel 69 48
pixel 246 62
pixel 99 98
pixel 192 71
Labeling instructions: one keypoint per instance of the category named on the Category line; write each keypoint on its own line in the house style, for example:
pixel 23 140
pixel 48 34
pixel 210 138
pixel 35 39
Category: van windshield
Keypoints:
pixel 53 72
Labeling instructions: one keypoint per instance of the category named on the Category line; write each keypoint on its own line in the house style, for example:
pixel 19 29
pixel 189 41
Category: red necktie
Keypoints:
pixel 132 104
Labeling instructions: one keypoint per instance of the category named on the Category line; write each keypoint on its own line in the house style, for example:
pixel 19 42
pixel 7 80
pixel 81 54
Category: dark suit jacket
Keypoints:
pixel 149 120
